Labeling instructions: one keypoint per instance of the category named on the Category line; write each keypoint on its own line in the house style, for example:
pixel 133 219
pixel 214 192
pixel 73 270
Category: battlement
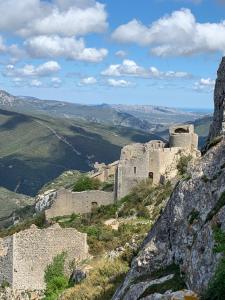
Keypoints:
pixel 155 159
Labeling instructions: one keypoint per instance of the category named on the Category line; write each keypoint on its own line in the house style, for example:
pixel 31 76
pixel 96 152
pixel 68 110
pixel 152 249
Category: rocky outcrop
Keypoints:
pixel 45 200
pixel 218 125
pixel 183 235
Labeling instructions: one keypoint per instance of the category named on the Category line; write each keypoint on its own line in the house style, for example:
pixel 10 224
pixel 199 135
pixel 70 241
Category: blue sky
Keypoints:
pixel 161 52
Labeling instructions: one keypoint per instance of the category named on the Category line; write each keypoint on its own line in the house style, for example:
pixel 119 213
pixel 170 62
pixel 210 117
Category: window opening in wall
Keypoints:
pixel 94 204
pixel 181 130
pixel 150 175
pixel 135 170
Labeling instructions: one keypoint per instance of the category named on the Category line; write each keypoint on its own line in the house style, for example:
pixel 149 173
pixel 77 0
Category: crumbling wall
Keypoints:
pixel 130 172
pixel 67 202
pixel 6 260
pixel 34 249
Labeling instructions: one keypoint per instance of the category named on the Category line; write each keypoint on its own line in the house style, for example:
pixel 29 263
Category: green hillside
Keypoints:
pixel 36 149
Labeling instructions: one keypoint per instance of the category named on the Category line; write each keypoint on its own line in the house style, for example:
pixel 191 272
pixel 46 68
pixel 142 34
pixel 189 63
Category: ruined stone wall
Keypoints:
pixel 67 202
pixel 6 260
pixel 34 249
pixel 160 160
pixel 104 172
pixel 131 172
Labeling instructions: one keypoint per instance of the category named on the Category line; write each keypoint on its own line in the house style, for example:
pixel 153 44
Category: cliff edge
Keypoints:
pixel 180 246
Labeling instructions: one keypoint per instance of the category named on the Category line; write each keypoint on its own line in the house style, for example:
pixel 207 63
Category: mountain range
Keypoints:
pixel 41 139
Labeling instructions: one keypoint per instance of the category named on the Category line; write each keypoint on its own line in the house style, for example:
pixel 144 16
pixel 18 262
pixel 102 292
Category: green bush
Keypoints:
pixel 219 204
pixel 183 164
pixel 216 289
pixel 55 279
pixel 215 141
pixel 85 183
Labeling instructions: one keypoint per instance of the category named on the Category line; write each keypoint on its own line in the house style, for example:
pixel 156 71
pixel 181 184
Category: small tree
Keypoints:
pixel 85 183
pixel 183 164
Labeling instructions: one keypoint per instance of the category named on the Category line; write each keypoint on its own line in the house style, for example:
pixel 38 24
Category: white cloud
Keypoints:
pixel 68 47
pixel 119 83
pixel 121 54
pixel 88 81
pixel 175 34
pixel 45 69
pixel 35 83
pixel 130 68
pixel 2 45
pixel 56 82
pixel 204 85
pixel 66 18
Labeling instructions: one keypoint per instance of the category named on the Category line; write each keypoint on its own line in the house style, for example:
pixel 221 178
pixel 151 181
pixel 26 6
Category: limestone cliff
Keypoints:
pixel 183 235
pixel 219 103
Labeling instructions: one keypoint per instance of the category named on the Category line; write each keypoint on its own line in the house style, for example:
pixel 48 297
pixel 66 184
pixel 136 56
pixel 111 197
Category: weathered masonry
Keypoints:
pixel 155 159
pixel 67 202
pixel 24 256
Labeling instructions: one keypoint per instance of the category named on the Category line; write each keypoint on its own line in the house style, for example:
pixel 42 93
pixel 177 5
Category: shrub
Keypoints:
pixel 183 164
pixel 194 215
pixel 219 204
pixel 55 279
pixel 85 183
pixel 216 289
pixel 102 281
pixel 215 141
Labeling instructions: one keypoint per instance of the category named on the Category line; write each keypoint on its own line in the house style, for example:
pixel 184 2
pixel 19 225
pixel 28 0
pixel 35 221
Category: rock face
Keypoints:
pixel 183 235
pixel 218 124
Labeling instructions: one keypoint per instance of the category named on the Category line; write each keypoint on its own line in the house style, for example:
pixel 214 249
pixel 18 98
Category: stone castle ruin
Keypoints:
pixel 155 160
pixel 104 172
pixel 24 256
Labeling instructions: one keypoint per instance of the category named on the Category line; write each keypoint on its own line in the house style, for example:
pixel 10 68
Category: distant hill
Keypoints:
pixel 144 117
pixel 164 116
pixel 41 139
pixel 36 149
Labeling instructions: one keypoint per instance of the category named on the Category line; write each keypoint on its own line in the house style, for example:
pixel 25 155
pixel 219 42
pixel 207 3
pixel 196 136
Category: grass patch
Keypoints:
pixel 216 288
pixel 220 203
pixel 102 281
pixel 145 194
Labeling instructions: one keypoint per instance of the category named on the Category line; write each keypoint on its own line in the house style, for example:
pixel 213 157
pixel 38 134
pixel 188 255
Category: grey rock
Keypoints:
pixel 174 239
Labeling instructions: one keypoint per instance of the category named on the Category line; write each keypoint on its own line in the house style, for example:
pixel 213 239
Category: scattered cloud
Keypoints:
pixel 55 82
pixel 190 1
pixel 184 35
pixel 121 54
pixel 64 18
pixel 35 83
pixel 119 83
pixel 45 69
pixel 131 68
pixel 204 85
pixel 67 47
pixel 88 81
